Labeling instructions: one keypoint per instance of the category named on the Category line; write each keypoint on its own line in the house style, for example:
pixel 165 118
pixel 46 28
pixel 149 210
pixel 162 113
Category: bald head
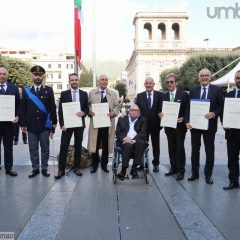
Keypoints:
pixel 149 84
pixel 3 75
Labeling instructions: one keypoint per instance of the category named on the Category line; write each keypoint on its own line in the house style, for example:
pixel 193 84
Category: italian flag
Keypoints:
pixel 77 29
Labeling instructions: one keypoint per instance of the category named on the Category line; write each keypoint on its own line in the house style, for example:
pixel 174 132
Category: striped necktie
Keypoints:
pixel 2 90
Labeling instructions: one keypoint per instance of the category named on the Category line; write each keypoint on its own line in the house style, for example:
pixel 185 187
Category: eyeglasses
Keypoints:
pixel 237 78
pixel 169 82
pixel 206 75
pixel 134 110
pixel 104 79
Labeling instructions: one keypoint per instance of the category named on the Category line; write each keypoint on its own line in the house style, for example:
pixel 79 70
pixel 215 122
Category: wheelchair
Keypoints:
pixel 117 160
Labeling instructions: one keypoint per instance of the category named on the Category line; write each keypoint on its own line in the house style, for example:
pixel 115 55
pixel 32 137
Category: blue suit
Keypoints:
pixel 216 105
pixel 7 130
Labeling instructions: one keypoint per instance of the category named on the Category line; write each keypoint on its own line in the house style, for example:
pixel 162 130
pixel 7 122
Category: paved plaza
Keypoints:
pixel 92 207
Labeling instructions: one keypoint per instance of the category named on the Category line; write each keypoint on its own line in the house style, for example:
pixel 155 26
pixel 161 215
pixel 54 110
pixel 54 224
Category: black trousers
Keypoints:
pixel 155 144
pixel 208 139
pixel 176 149
pixel 102 142
pixel 233 149
pixel 16 133
pixel 6 134
pixel 135 149
pixel 65 141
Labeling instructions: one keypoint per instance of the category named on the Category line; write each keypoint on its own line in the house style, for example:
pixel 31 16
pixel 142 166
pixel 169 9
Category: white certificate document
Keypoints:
pixel 198 110
pixel 231 113
pixel 101 119
pixel 70 117
pixel 7 108
pixel 170 111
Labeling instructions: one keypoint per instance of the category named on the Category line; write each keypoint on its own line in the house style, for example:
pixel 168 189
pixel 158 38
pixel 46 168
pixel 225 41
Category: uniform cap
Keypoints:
pixel 37 69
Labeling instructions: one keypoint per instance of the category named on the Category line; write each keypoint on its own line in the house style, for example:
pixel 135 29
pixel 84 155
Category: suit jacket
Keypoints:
pixel 216 103
pixel 182 98
pixel 31 116
pixel 13 90
pixel 230 132
pixel 66 96
pixel 140 127
pixel 153 120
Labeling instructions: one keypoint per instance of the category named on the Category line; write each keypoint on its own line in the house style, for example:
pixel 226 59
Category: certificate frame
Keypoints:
pixel 171 112
pixel 101 119
pixel 7 108
pixel 231 113
pixel 70 118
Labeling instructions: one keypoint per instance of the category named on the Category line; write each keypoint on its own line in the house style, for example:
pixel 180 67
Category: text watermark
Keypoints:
pixel 6 235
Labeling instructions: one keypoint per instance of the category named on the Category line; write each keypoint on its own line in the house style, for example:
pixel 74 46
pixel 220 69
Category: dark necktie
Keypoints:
pixel 2 90
pixel 102 97
pixel 38 90
pixel 238 94
pixel 149 100
pixel 204 93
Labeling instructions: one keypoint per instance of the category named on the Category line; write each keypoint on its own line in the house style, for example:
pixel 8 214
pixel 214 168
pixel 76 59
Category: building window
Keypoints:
pixel 147 74
pixel 59 65
pixel 49 84
pixel 59 86
pixel 71 66
pixel 59 76
pixel 49 65
pixel 147 31
pixel 66 66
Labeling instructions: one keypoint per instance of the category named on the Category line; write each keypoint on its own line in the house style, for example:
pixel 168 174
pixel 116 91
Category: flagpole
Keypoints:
pixel 94 43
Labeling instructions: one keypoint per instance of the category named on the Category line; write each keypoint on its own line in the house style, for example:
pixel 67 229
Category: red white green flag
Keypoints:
pixel 77 29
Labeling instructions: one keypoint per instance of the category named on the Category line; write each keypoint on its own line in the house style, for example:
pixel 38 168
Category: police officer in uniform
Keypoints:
pixel 38 117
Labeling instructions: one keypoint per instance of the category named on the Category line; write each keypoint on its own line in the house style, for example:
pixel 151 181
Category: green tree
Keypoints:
pixel 19 71
pixel 86 77
pixel 121 87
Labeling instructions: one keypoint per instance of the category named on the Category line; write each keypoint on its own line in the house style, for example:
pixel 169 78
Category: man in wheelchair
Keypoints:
pixel 131 134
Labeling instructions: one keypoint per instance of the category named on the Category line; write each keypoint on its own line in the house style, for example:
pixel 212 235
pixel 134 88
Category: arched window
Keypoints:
pixel 176 31
pixel 147 31
pixel 162 31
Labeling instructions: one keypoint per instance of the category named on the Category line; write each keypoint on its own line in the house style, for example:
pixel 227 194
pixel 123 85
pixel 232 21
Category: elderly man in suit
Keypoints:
pixel 6 127
pixel 149 103
pixel 102 138
pixel 232 136
pixel 72 95
pixel 38 117
pixel 176 136
pixel 131 136
pixel 212 93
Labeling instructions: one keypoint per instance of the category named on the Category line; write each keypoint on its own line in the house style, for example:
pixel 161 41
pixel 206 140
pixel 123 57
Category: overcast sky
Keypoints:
pixel 48 24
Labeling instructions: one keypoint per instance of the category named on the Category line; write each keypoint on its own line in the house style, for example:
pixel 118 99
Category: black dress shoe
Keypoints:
pixel 135 175
pixel 180 176
pixel 11 172
pixel 34 173
pixel 170 173
pixel 156 168
pixel 45 173
pixel 25 142
pixel 93 169
pixel 121 176
pixel 78 172
pixel 60 174
pixel 104 168
pixel 231 185
pixel 209 180
pixel 193 178
pixel 140 167
pixel 15 143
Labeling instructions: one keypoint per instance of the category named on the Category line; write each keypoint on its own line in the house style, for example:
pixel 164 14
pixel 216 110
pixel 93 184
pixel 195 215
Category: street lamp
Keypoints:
pixel 206 40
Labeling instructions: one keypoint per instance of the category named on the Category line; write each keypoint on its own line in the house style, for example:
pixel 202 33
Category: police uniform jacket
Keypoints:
pixel 31 116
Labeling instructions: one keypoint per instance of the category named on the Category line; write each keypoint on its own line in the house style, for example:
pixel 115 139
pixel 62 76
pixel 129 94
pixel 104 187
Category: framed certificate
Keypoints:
pixel 7 108
pixel 231 113
pixel 101 118
pixel 70 117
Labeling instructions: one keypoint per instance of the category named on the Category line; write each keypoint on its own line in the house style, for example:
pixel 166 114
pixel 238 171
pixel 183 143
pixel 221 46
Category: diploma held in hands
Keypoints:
pixel 101 118
pixel 198 109
pixel 70 117
pixel 231 113
pixel 170 111
pixel 7 108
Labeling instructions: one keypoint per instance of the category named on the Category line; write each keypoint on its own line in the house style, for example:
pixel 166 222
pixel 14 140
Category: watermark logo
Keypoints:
pixel 224 12
pixel 6 235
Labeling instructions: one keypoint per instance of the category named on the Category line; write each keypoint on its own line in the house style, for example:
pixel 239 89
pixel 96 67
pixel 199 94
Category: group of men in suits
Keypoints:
pixel 37 116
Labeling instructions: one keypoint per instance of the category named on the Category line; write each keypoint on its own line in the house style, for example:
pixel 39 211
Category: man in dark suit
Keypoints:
pixel 176 136
pixel 232 136
pixel 38 117
pixel 6 127
pixel 205 91
pixel 131 133
pixel 72 95
pixel 149 103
